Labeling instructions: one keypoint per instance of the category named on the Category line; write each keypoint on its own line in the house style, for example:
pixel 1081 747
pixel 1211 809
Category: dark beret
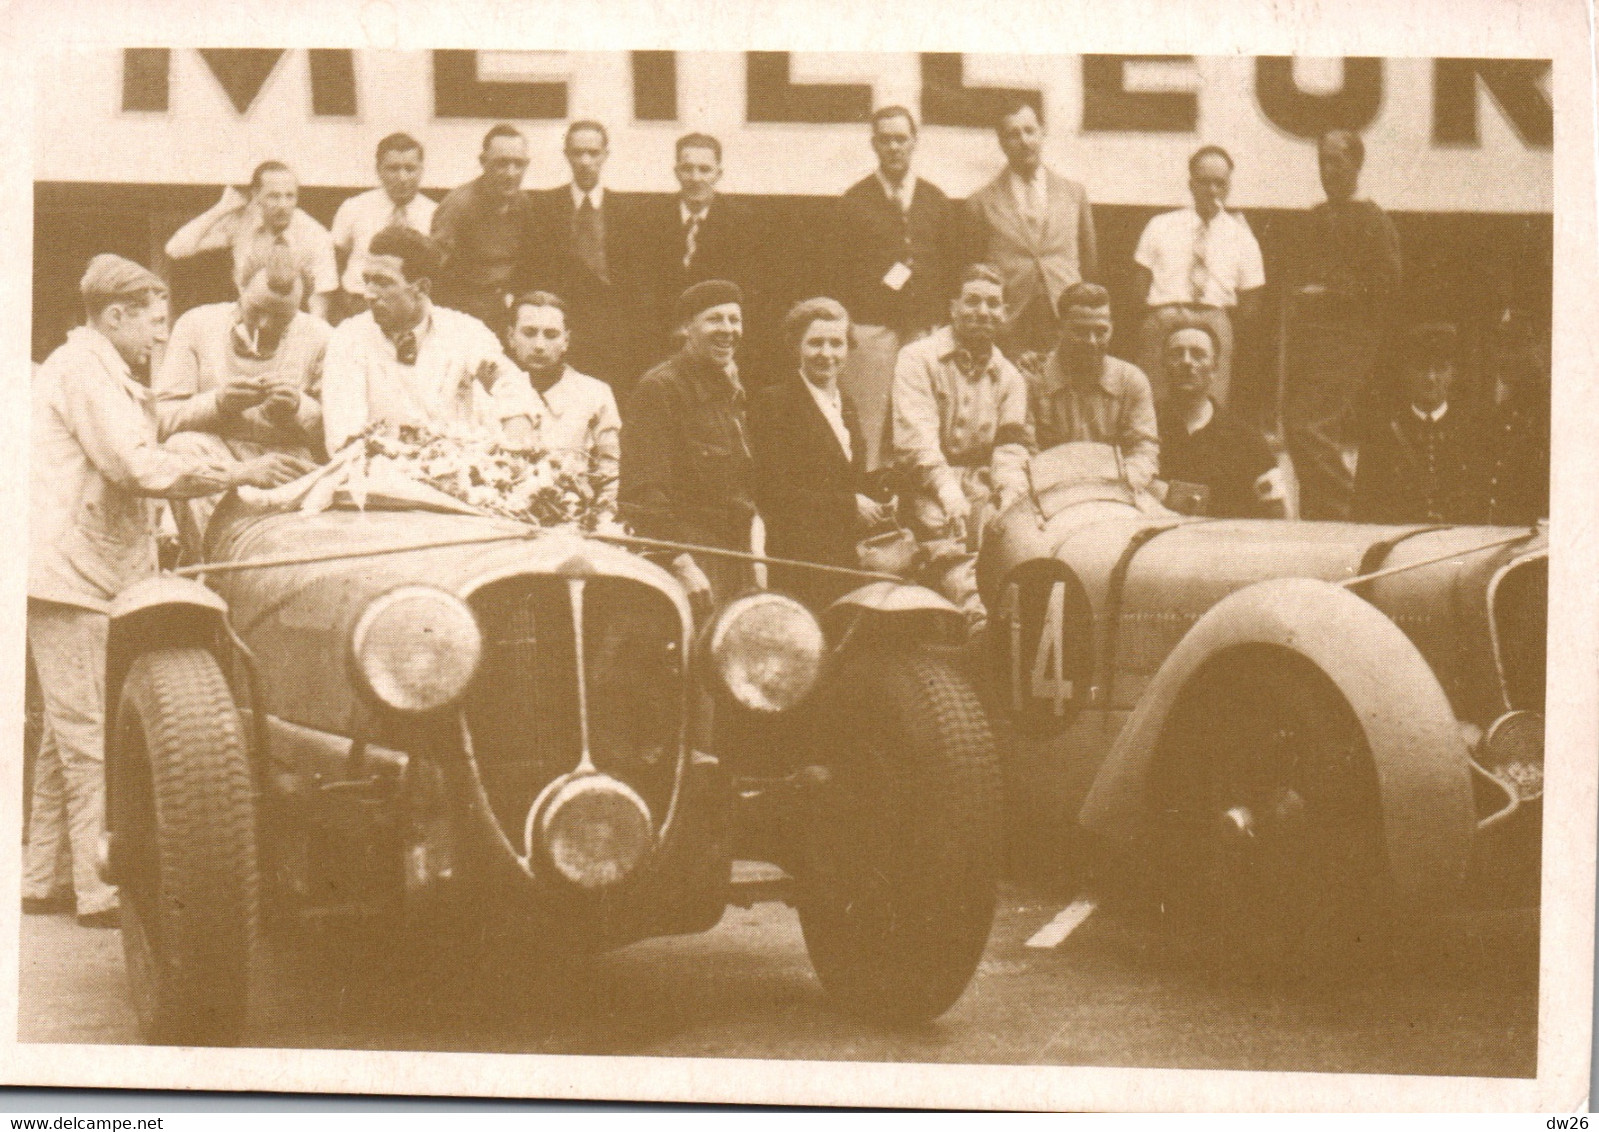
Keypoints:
pixel 703 296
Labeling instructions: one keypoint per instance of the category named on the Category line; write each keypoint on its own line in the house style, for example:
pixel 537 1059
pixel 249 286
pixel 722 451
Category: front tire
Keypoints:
pixel 1270 819
pixel 901 853
pixel 185 810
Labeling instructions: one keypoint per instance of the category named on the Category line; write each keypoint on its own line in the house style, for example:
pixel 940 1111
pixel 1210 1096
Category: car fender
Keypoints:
pixel 885 608
pixel 165 611
pixel 1422 764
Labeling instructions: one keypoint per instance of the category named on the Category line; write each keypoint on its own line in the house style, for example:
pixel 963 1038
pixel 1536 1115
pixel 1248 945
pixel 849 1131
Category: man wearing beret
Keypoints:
pixel 96 465
pixel 687 474
pixel 1414 468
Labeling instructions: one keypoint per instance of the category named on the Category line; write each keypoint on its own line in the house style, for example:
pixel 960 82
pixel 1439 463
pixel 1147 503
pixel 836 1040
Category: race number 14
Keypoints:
pixel 1047 680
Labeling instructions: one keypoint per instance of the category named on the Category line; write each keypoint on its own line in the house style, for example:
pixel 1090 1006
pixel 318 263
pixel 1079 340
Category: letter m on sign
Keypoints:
pixel 242 73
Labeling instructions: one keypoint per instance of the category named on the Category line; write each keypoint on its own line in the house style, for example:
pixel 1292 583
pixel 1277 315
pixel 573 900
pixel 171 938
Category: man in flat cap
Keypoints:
pixel 96 465
pixel 687 474
pixel 1083 393
pixel 1414 467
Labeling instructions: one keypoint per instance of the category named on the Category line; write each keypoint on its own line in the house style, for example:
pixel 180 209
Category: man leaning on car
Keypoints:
pixel 96 464
pixel 406 360
pixel 1085 394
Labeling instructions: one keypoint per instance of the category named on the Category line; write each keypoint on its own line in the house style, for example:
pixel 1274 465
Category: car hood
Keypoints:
pixel 297 617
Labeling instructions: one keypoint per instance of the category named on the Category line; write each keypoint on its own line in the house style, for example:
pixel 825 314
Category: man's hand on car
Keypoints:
pixel 271 469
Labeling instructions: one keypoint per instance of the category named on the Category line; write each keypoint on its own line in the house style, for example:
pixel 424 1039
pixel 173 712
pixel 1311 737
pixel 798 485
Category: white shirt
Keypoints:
pixel 1032 193
pixel 1435 416
pixel 596 194
pixel 364 381
pixel 1206 412
pixel 235 223
pixel 832 406
pixel 904 194
pixel 580 415
pixel 1228 262
pixel 364 216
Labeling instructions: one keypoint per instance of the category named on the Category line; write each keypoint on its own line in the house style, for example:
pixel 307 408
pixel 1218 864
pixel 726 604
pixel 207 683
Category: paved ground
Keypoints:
pixel 1107 995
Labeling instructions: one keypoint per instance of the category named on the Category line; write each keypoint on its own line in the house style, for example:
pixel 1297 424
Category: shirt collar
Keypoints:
pixel 708 378
pixel 421 330
pixel 596 194
pixel 1057 378
pixel 684 212
pixel 1435 416
pixel 1206 415
pixel 99 345
pixel 948 347
pixel 1037 179
pixel 902 195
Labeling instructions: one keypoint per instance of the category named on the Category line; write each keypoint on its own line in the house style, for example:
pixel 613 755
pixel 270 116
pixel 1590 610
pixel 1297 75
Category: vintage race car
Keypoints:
pixel 1278 737
pixel 436 718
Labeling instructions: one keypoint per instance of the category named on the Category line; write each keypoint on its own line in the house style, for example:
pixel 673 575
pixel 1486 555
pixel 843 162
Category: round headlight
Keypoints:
pixel 1512 752
pixel 595 829
pixel 767 651
pixel 417 648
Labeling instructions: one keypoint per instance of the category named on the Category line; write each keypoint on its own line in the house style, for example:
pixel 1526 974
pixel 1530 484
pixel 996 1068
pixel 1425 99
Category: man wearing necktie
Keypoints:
pixel 396 201
pixel 1199 266
pixel 896 250
pixel 1036 227
pixel 697 234
pixel 585 253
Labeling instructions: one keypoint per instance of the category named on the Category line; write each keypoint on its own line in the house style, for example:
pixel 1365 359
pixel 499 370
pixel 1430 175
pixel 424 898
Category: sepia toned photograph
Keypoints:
pixel 938 558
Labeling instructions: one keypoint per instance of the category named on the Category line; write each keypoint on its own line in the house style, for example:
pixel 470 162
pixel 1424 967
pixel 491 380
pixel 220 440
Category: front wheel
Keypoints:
pixel 185 810
pixel 901 853
pixel 1270 820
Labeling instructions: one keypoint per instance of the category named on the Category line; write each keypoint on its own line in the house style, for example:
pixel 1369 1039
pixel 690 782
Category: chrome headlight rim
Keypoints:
pixel 1512 753
pixel 381 686
pixel 563 798
pixel 755 696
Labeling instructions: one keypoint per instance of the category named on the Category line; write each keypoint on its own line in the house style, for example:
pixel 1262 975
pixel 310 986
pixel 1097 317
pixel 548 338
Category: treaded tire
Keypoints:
pixel 901 853
pixel 186 809
pixel 1305 891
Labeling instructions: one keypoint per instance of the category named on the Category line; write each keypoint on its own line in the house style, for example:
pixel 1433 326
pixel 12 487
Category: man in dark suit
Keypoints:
pixel 1037 228
pixel 696 235
pixel 810 459
pixel 897 250
pixel 1414 467
pixel 586 251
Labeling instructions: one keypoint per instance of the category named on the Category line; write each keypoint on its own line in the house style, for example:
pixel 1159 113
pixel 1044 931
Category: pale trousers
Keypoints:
pixel 67 815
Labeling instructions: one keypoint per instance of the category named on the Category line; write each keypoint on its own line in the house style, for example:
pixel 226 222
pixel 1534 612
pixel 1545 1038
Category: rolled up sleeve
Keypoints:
pixel 1013 436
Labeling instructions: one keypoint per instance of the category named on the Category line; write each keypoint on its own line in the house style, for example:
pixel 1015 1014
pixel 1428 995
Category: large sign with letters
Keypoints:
pixel 1441 134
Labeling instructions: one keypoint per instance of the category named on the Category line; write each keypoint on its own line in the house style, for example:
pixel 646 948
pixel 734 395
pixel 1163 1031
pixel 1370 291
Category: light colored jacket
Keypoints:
pixel 1064 251
pixel 95 466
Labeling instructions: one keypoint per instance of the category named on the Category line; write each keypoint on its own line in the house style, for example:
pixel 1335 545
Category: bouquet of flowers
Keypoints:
pixel 458 470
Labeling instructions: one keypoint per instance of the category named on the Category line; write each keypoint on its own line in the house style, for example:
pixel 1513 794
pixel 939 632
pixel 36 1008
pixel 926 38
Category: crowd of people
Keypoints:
pixel 952 342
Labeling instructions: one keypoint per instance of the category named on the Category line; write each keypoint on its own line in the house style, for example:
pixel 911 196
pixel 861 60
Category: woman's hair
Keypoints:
pixel 800 316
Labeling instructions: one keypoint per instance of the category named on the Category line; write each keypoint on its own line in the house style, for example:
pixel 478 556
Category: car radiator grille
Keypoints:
pixel 1521 620
pixel 523 708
